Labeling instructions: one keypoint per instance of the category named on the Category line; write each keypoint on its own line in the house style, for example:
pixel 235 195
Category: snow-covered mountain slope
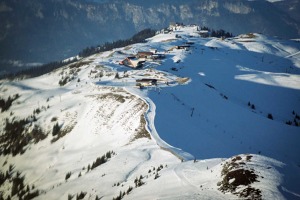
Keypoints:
pixel 222 122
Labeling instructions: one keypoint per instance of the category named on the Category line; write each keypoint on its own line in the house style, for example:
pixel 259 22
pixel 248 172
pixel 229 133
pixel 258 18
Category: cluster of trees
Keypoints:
pixel 138 182
pixel 296 120
pixel 38 71
pixel 217 33
pixel 5 104
pixel 130 188
pixel 64 80
pixel 122 194
pixel 19 188
pixel 221 33
pixel 16 136
pixel 81 195
pixel 252 106
pixel 137 38
pixel 101 160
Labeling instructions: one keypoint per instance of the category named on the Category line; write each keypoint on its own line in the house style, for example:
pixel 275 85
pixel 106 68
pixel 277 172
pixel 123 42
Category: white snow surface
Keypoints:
pixel 206 119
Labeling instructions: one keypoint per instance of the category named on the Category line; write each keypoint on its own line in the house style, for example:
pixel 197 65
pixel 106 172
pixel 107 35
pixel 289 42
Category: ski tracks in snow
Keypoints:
pixel 131 172
pixel 180 173
pixel 150 116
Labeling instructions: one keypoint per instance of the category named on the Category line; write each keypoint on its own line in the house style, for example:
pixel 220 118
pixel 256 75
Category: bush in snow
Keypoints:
pixel 55 129
pixel 80 196
pixel 117 76
pixel 53 119
pixel 270 116
pixel 129 190
pixel 156 176
pixel 251 105
pixel 289 123
pixel 68 175
pixel 70 196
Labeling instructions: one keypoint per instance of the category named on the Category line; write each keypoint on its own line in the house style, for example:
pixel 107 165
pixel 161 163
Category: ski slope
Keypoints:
pixel 176 140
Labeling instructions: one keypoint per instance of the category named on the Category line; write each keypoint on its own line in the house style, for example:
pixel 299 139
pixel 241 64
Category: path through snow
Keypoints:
pixel 150 116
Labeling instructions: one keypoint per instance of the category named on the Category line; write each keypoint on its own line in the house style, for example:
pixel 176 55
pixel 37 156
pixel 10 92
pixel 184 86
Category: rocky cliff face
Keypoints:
pixel 45 30
pixel 291 7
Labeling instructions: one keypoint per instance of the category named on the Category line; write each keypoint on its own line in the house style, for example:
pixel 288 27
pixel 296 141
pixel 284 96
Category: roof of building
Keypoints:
pixel 145 53
pixel 146 80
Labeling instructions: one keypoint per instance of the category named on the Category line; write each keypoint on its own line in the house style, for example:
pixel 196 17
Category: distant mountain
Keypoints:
pixel 291 7
pixel 46 30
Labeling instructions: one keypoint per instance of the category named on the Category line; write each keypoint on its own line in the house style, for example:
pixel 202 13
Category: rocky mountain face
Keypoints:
pixel 291 7
pixel 47 30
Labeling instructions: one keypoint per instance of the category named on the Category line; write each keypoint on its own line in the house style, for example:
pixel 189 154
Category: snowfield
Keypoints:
pixel 221 123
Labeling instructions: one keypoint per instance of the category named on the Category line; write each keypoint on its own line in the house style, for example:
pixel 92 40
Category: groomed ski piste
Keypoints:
pixel 222 122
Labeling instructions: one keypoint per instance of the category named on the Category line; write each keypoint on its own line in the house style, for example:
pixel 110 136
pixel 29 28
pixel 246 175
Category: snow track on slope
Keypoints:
pixel 294 54
pixel 130 173
pixel 150 116
pixel 180 174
